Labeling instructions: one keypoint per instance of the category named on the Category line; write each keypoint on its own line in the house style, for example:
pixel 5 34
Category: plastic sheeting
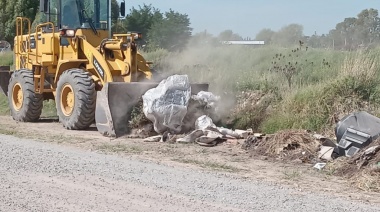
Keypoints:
pixel 206 98
pixel 166 105
pixel 204 122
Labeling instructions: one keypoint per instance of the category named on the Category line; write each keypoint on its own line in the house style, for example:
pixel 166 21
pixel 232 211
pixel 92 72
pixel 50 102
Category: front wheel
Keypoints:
pixel 76 99
pixel 24 103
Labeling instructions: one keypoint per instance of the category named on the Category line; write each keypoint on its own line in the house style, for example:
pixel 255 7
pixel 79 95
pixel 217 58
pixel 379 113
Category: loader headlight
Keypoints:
pixel 70 33
pixel 138 36
pixel 67 33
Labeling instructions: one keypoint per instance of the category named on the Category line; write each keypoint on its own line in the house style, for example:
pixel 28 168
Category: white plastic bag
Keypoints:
pixel 204 122
pixel 166 105
pixel 206 98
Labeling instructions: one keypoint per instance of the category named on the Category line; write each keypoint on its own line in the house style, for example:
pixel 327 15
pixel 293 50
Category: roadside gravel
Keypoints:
pixel 36 176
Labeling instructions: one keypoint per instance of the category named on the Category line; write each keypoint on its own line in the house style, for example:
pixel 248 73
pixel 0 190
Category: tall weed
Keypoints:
pixel 318 107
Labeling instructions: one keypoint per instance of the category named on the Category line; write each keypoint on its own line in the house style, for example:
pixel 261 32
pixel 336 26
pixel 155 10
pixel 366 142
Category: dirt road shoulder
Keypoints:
pixel 226 157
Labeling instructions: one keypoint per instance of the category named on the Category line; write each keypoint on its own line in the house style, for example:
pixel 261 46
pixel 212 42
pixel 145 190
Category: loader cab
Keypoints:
pixel 78 15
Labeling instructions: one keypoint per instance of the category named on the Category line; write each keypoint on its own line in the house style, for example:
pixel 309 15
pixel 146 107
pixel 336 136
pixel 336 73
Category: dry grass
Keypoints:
pixel 289 145
pixel 361 64
pixel 209 164
pixel 363 170
pixel 125 148
pixel 293 175
pixel 251 108
pixel 367 181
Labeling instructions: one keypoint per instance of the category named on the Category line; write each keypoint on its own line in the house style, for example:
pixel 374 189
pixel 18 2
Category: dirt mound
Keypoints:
pixel 288 145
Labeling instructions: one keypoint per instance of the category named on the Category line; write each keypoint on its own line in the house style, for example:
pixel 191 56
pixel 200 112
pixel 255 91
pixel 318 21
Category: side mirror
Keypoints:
pixel 44 6
pixel 122 9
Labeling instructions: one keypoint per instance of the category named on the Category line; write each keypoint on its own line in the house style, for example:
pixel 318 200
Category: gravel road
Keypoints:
pixel 36 176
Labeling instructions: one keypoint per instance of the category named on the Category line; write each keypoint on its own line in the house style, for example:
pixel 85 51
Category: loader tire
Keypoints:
pixel 25 105
pixel 76 99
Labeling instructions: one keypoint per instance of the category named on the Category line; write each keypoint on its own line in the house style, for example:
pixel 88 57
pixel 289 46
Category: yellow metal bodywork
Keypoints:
pixel 107 60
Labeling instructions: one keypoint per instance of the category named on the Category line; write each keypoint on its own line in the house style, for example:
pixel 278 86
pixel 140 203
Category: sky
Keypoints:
pixel 248 17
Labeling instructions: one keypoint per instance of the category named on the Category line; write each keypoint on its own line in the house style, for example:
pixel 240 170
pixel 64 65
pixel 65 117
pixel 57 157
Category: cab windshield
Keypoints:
pixel 84 14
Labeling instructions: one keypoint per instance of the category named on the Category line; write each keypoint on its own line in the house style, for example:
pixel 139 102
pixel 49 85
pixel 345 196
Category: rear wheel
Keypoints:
pixel 24 103
pixel 76 99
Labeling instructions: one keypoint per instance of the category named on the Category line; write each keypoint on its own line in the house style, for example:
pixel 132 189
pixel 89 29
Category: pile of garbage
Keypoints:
pixel 357 140
pixel 175 114
pixel 206 133
pixel 178 116
pixel 370 157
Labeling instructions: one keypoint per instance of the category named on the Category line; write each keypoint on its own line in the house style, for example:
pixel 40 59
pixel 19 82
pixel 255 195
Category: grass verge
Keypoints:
pixel 208 164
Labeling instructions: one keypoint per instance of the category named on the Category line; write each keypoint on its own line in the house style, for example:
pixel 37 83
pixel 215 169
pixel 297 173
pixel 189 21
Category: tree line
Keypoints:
pixel 351 33
pixel 169 30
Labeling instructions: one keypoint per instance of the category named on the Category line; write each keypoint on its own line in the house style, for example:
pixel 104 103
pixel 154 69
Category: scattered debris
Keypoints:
pixel 206 133
pixel 326 153
pixel 319 166
pixel 209 138
pixel 204 122
pixel 156 138
pixel 366 156
pixel 207 99
pixel 243 133
pixel 258 135
pixel 228 132
pixel 191 137
pixel 356 131
pixel 367 159
pixel 198 107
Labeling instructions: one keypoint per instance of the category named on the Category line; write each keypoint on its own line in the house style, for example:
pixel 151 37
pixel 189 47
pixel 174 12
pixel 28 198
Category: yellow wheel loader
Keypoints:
pixel 75 60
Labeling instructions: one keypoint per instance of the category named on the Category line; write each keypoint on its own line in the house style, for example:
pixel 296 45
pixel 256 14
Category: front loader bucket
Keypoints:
pixel 5 75
pixel 115 102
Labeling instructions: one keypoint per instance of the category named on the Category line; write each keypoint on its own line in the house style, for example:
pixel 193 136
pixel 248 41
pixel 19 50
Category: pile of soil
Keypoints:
pixel 288 145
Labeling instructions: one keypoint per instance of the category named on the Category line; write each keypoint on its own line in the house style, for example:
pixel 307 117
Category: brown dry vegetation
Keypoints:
pixel 300 146
pixel 363 169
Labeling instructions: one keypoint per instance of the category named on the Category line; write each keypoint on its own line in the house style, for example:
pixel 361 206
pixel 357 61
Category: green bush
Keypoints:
pixel 318 107
pixel 6 59
pixel 4 108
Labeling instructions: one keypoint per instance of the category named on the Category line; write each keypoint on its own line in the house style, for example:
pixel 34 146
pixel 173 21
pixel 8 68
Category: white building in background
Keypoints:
pixel 244 42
